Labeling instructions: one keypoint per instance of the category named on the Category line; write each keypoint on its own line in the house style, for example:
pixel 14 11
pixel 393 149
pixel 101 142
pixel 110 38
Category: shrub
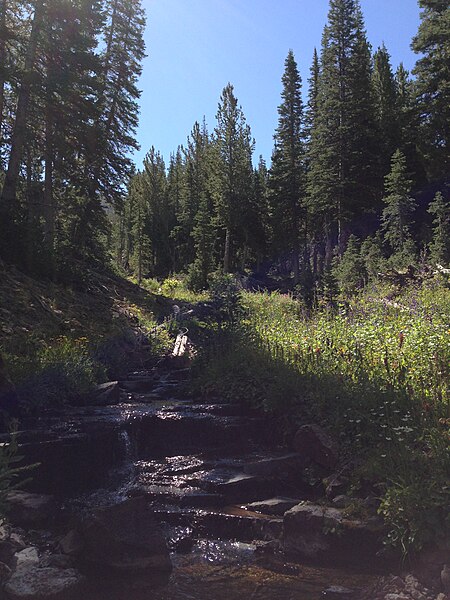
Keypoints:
pixel 9 471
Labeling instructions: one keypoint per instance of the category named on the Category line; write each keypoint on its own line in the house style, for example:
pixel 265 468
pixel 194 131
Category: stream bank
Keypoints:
pixel 156 494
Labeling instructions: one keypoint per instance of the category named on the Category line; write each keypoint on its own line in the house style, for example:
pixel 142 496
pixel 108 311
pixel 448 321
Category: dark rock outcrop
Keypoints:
pixel 124 539
pixel 314 444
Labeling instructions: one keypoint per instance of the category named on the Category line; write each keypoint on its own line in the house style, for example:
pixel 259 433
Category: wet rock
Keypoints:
pixel 284 468
pixel 5 572
pixel 313 443
pixel 125 539
pixel 139 385
pixel 273 506
pixel 429 566
pixel 58 561
pixel 335 485
pixel 106 394
pixel 201 500
pixel 30 510
pixel 339 592
pixel 10 543
pixel 164 391
pixel 238 526
pixel 445 578
pixel 342 501
pixel 243 487
pixel 323 532
pixel 28 556
pixel 30 582
pixel 72 543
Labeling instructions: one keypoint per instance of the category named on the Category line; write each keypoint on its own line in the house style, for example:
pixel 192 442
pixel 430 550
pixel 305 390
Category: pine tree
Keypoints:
pixel 343 154
pixel 260 223
pixel 440 245
pixel 196 168
pixel 19 132
pixel 433 84
pixel 287 179
pixel 385 96
pixel 233 163
pixel 154 184
pixel 408 125
pixel 349 270
pixel 139 242
pixel 176 183
pixel 203 235
pixel 397 214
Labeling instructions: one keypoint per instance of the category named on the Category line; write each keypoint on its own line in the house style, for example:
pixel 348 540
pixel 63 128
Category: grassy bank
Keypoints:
pixel 375 371
pixel 59 341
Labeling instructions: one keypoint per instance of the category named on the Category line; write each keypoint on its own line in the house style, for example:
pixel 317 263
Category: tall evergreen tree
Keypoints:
pixel 287 179
pixel 433 84
pixel 397 214
pixel 196 166
pixel 342 176
pixel 157 226
pixel 234 147
pixel 385 97
pixel 440 244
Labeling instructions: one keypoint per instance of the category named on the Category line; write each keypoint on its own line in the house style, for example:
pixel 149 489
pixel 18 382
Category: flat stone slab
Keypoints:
pixel 279 467
pixel 273 506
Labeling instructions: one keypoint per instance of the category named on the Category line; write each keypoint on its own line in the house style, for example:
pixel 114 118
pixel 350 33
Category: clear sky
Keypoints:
pixel 195 47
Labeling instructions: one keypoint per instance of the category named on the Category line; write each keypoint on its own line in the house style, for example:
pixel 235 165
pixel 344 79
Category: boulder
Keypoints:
pixel 313 443
pixel 58 561
pixel 106 394
pixel 30 582
pixel 72 543
pixel 243 487
pixel 10 543
pixel 286 468
pixel 27 557
pixel 125 539
pixel 30 510
pixel 273 506
pixel 322 532
pixel 5 572
pixel 139 386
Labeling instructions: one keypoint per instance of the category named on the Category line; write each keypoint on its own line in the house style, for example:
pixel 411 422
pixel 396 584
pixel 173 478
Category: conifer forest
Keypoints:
pixel 306 296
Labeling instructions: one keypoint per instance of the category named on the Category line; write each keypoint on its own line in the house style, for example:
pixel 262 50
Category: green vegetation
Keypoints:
pixel 357 194
pixel 373 370
pixel 59 342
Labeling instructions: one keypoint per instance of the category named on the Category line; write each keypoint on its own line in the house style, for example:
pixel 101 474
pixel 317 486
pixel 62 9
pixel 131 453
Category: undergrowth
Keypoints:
pixel 374 370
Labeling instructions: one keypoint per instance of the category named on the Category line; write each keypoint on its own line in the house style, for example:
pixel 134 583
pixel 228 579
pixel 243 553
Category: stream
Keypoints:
pixel 216 477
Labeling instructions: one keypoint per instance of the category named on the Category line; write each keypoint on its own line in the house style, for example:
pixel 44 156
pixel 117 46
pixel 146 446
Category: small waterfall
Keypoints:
pixel 126 445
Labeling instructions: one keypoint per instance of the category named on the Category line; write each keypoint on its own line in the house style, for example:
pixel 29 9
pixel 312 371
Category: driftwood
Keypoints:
pixel 181 345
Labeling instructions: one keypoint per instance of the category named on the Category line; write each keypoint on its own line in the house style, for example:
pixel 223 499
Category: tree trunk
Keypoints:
pixel 227 251
pixel 20 125
pixel 3 9
pixel 295 265
pixel 49 208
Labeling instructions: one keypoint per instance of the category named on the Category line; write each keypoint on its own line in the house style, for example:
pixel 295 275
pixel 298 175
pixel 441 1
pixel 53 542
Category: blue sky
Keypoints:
pixel 195 47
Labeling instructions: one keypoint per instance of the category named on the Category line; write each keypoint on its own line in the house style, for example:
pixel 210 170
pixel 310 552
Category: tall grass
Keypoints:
pixel 375 372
